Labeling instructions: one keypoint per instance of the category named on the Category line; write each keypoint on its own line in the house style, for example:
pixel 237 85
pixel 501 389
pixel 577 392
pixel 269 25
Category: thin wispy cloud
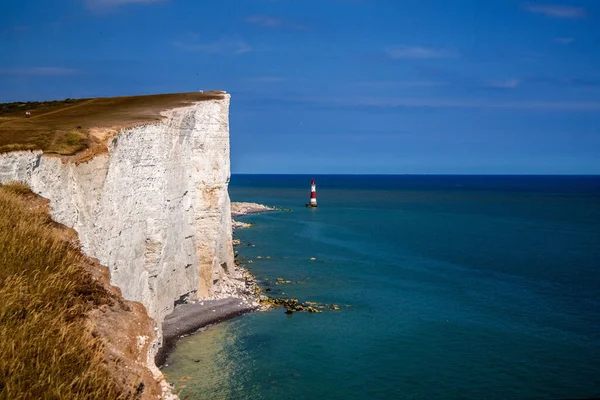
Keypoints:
pixel 39 71
pixel 222 46
pixel 579 82
pixel 266 79
pixel 106 5
pixel 267 21
pixel 20 28
pixel 368 135
pixel 402 83
pixel 264 20
pixel 407 102
pixel 503 84
pixel 564 40
pixel 556 10
pixel 417 52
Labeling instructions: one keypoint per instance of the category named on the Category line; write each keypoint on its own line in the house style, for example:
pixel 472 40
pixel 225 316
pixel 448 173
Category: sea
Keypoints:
pixel 448 287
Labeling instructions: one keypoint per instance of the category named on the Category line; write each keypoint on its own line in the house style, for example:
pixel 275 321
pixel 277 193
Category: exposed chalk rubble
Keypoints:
pixel 241 208
pixel 239 224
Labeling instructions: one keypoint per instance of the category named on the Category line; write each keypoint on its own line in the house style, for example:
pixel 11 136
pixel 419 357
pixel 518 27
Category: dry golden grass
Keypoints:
pixel 53 126
pixel 47 351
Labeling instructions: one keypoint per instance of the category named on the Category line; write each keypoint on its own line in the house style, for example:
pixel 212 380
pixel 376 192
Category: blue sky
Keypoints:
pixel 338 86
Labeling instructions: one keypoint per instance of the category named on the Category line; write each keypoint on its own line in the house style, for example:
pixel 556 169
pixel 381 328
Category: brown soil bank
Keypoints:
pixel 65 127
pixel 65 333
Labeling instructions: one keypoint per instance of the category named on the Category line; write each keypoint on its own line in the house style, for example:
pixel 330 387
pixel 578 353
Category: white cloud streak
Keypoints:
pixel 417 52
pixel 402 84
pixel 504 84
pixel 393 102
pixel 556 10
pixel 564 40
pixel 222 46
pixel 39 71
pixel 105 5
pixel 266 79
pixel 266 21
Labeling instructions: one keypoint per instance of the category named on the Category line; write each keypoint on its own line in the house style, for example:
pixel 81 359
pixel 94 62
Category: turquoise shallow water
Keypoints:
pixel 450 287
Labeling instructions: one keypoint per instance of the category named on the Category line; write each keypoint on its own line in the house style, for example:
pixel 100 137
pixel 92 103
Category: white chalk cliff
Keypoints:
pixel 154 208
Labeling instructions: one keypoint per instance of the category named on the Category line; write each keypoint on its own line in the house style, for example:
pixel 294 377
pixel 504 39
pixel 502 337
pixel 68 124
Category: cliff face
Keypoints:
pixel 154 208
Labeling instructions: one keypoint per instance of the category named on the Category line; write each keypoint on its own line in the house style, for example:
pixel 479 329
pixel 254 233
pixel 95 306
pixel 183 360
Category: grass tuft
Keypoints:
pixel 16 187
pixel 47 349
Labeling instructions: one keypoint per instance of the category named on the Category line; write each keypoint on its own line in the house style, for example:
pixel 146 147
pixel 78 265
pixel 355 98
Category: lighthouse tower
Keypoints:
pixel 313 194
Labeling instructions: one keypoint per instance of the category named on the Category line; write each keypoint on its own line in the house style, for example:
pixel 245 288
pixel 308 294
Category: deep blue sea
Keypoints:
pixel 449 287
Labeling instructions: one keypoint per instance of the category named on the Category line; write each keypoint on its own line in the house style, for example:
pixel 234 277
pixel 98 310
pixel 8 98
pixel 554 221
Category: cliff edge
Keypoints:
pixel 154 207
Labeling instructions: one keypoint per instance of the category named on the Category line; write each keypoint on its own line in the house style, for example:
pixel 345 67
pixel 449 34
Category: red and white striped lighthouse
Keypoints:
pixel 313 194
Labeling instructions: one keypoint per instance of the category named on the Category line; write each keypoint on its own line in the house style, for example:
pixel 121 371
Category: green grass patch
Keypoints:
pixel 67 143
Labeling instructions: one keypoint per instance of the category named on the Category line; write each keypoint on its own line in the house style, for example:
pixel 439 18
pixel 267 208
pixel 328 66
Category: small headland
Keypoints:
pixel 65 332
pixel 81 126
pixel 239 209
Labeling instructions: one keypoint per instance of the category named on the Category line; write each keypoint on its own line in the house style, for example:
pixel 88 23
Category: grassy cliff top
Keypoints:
pixel 62 126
